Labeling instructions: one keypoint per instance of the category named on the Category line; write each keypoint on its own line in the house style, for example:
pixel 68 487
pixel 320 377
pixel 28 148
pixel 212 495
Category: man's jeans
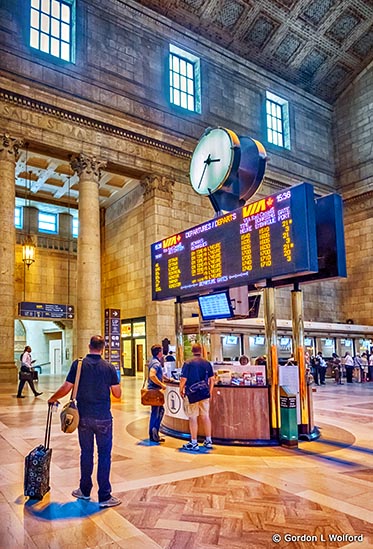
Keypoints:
pixel 103 430
pixel 155 419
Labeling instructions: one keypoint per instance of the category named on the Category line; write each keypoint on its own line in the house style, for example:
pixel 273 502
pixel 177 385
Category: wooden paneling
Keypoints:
pixel 237 413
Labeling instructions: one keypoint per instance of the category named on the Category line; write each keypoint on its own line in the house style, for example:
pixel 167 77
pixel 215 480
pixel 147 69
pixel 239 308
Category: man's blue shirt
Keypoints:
pixel 96 378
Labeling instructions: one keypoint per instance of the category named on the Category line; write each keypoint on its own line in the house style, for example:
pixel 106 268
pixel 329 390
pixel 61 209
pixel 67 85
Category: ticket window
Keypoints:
pixel 309 346
pixel 231 347
pixel 363 345
pixel 257 347
pixel 284 347
pixel 346 346
pixel 326 345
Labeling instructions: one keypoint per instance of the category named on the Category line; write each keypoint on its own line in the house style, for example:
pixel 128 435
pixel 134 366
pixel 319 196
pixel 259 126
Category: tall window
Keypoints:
pixel 277 110
pixel 184 71
pixel 51 26
pixel 47 222
pixel 75 227
pixel 18 217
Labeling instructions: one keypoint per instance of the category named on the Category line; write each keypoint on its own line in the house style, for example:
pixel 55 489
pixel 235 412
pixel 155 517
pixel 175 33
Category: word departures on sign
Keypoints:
pixel 274 237
pixel 45 310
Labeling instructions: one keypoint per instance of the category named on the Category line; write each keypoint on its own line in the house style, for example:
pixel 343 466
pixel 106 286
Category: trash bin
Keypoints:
pixel 288 413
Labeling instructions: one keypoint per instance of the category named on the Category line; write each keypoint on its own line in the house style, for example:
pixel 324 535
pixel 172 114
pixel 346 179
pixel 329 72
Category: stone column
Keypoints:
pixel 89 309
pixel 8 157
pixel 158 194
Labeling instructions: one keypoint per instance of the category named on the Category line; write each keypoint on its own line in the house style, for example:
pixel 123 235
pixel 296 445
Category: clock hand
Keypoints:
pixel 203 173
pixel 207 162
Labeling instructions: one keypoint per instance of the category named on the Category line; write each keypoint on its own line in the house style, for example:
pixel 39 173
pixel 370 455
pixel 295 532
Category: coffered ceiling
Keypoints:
pixel 319 45
pixel 41 178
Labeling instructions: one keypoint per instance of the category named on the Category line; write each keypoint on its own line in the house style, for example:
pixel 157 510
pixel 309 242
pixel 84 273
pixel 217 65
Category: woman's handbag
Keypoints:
pixel 69 414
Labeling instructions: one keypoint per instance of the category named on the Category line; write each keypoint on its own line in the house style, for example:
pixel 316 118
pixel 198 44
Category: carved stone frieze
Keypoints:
pixel 9 147
pixel 87 167
pixel 157 186
pixel 80 124
pixel 360 203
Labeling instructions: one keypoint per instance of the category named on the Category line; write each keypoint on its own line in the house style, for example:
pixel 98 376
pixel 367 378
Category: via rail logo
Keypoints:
pixel 174 402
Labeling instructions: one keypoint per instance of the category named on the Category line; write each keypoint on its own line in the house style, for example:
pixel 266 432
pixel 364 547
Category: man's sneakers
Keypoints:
pixel 112 502
pixel 193 447
pixel 190 447
pixel 79 494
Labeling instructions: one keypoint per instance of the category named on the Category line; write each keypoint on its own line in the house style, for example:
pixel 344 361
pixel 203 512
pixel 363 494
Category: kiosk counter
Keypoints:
pixel 239 412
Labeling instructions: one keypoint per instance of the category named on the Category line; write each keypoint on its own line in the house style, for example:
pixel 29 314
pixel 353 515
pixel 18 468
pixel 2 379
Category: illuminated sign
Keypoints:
pixel 45 310
pixel 274 237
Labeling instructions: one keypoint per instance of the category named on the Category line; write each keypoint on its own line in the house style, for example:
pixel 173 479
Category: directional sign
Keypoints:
pixel 45 310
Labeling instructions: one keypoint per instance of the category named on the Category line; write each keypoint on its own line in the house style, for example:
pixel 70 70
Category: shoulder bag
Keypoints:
pixel 151 397
pixel 69 414
pixel 198 391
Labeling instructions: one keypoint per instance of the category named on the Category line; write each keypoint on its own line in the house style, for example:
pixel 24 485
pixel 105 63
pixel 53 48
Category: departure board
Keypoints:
pixel 272 238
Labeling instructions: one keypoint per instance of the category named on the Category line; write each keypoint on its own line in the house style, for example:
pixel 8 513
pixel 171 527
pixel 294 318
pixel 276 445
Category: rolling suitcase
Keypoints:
pixel 37 465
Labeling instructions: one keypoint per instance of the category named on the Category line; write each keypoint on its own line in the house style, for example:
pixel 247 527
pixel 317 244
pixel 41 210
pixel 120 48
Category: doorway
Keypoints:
pixel 133 346
pixel 55 356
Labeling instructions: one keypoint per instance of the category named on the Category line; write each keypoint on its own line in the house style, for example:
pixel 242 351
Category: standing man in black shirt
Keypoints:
pixel 195 370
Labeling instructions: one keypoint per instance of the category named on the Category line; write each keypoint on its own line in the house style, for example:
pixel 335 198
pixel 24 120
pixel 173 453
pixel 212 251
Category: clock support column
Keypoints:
pixel 158 199
pixel 272 359
pixel 298 337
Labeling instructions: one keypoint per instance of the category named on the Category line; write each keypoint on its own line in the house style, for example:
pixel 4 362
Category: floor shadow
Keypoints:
pixel 61 511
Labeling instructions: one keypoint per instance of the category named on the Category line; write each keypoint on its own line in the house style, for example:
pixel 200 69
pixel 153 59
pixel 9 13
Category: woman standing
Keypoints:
pixel 26 366
pixel 349 365
pixel 155 381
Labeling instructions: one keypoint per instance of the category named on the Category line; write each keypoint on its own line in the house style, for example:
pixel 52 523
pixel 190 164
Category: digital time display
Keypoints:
pixel 271 238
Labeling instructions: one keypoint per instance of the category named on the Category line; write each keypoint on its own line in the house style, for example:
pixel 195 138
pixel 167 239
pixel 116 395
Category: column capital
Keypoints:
pixel 155 185
pixel 9 147
pixel 87 167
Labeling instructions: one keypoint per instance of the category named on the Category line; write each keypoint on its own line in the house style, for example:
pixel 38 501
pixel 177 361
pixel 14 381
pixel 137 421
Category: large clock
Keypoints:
pixel 227 168
pixel 215 157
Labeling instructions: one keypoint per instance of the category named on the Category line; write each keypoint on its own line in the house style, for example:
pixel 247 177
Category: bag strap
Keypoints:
pixel 77 378
pixel 48 426
pixel 146 376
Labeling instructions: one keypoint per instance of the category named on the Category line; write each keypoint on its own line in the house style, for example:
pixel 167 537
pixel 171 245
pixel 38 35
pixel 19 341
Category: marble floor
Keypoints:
pixel 319 495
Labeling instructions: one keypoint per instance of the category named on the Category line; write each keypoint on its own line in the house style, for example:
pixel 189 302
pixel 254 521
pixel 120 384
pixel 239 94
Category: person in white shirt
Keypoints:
pixel 349 365
pixel 26 367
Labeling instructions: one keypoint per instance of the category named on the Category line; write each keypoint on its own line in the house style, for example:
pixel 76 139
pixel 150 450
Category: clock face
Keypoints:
pixel 213 159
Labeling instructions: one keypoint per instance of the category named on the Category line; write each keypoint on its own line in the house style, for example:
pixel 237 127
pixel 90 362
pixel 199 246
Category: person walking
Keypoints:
pixel 155 381
pixel 26 366
pixel 98 379
pixel 195 370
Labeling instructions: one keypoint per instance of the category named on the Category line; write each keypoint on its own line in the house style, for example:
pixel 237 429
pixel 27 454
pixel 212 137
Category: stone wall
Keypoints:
pixel 354 154
pixel 51 279
pixel 121 70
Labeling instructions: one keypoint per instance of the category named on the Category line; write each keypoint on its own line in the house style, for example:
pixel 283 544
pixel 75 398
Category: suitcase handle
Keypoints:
pixel 48 427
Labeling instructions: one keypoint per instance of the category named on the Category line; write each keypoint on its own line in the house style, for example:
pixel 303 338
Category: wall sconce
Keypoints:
pixel 28 250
